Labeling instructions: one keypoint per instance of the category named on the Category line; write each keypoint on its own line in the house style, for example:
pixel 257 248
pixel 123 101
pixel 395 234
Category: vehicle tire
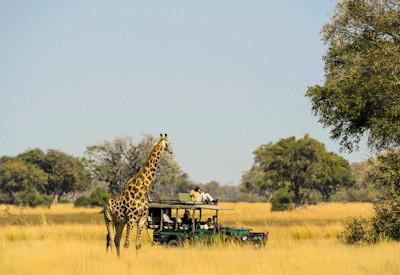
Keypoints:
pixel 173 243
pixel 258 244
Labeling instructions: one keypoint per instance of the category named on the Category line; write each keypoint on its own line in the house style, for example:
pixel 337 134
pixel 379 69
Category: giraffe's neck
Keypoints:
pixel 148 171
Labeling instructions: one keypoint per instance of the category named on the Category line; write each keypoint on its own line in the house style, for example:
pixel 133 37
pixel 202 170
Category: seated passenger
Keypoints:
pixel 186 219
pixel 198 195
pixel 166 217
pixel 208 225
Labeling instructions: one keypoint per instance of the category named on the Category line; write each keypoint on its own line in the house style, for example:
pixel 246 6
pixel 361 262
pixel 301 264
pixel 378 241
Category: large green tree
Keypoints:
pixel 361 91
pixel 66 173
pixel 361 95
pixel 302 165
pixel 21 182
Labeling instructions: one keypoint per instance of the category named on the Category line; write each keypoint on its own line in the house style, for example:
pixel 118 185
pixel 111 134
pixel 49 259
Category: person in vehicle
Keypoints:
pixel 166 217
pixel 208 225
pixel 198 195
pixel 186 217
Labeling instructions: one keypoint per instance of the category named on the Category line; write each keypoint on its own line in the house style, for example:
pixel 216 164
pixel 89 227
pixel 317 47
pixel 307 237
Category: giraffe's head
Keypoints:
pixel 166 144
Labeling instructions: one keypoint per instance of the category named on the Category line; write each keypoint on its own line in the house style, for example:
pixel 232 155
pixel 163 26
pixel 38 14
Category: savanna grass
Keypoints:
pixel 302 241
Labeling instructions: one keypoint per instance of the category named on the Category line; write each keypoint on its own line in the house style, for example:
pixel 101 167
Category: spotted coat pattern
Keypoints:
pixel 130 206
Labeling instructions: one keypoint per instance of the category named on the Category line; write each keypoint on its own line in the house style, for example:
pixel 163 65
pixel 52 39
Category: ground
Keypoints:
pixel 68 240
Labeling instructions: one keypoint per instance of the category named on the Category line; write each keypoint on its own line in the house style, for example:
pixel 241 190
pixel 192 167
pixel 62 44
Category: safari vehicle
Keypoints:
pixel 195 228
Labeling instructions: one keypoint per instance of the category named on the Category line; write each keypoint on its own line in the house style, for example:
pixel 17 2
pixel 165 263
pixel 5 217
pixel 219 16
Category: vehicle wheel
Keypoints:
pixel 258 244
pixel 173 243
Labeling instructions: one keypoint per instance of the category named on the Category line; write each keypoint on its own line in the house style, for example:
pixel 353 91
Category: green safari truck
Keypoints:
pixel 174 223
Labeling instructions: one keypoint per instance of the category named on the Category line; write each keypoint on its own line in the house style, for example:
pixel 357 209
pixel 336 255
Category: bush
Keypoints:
pixel 98 197
pixel 82 201
pixel 386 221
pixel 313 197
pixel 358 231
pixel 31 198
pixel 282 200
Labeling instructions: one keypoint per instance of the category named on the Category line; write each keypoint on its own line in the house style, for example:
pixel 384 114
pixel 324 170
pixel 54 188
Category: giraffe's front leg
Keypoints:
pixel 129 226
pixel 140 224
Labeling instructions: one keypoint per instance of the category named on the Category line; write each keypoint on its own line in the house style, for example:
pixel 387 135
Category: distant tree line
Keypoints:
pixel 37 177
pixel 291 172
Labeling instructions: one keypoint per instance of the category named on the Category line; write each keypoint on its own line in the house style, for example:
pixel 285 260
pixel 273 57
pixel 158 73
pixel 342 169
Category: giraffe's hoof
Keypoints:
pixel 138 246
pixel 126 245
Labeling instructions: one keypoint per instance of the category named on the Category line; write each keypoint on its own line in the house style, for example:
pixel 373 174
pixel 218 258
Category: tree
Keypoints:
pixel 21 182
pixel 332 173
pixel 361 96
pixel 361 92
pixel 114 162
pixel 301 165
pixel 66 174
pixel 255 182
pixel 34 156
pixel 363 190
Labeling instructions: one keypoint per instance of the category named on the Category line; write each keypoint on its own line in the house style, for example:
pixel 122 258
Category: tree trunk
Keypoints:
pixel 297 195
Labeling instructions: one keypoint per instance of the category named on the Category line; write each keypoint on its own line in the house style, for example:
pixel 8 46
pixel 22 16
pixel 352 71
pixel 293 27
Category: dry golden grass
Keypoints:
pixel 301 242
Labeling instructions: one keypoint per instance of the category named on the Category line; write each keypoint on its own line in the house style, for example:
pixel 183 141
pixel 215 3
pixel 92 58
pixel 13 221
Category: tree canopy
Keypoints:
pixel 361 91
pixel 31 177
pixel 302 165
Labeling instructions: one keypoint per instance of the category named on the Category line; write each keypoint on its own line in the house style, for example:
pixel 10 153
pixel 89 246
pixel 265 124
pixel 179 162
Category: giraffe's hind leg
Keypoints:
pixel 119 227
pixel 108 221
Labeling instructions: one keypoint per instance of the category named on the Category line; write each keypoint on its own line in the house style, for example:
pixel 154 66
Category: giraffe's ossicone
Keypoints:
pixel 131 205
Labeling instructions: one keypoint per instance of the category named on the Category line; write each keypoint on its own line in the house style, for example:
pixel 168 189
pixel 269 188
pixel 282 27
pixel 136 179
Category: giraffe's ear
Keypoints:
pixel 161 135
pixel 165 135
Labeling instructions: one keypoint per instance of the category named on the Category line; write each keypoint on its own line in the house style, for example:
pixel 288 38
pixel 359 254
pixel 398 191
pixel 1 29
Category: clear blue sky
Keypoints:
pixel 220 77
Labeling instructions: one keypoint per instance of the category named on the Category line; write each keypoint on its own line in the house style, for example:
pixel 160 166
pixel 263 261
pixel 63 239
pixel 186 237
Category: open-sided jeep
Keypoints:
pixel 195 227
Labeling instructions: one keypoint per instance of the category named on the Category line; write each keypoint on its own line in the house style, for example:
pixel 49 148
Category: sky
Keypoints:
pixel 220 77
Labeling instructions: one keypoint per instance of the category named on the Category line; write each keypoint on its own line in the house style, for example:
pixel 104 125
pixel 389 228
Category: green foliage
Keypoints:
pixel 387 177
pixel 301 165
pixel 282 200
pixel 67 175
pixel 363 190
pixel 31 197
pixel 361 91
pixel 82 201
pixel 386 222
pixel 98 197
pixel 18 179
pixel 358 231
pixel 33 176
pixel 255 184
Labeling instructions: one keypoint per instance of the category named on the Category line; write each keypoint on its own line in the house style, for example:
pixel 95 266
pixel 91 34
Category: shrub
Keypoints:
pixel 313 197
pixel 358 231
pixel 82 201
pixel 386 221
pixel 282 200
pixel 98 197
pixel 32 198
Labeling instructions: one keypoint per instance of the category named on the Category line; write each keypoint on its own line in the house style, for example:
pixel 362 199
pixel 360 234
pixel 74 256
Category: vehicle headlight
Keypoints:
pixel 244 238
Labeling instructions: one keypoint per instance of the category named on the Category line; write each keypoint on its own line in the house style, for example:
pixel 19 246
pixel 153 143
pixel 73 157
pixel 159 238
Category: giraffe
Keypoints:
pixel 130 206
